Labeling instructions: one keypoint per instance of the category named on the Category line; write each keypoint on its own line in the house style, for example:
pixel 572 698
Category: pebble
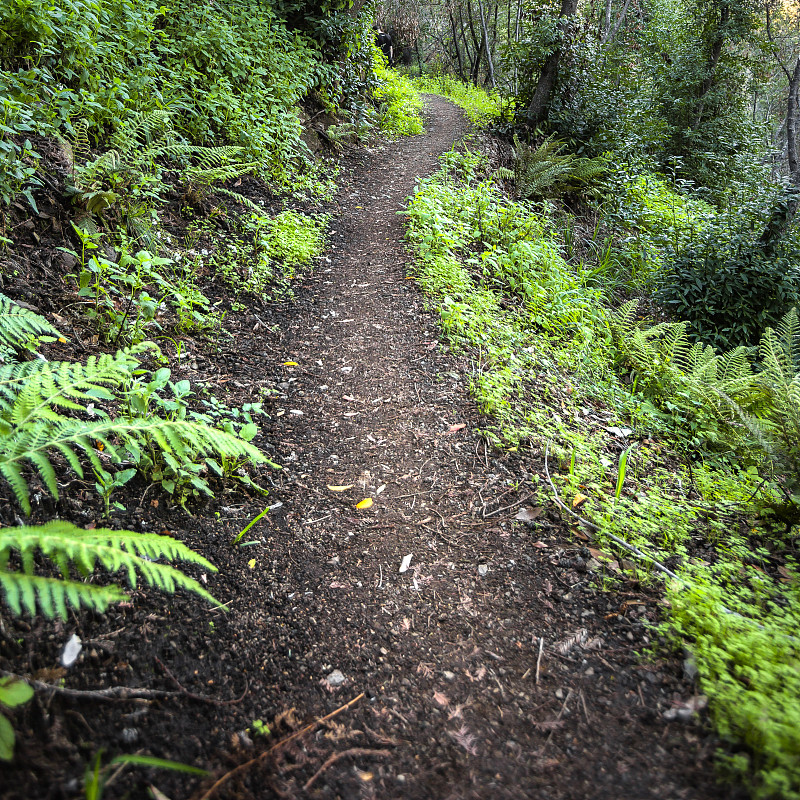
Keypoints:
pixel 449 676
pixel 483 569
pixel 336 678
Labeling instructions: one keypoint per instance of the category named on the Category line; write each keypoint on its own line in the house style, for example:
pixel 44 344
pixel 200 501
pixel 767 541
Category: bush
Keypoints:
pixel 728 287
pixel 401 103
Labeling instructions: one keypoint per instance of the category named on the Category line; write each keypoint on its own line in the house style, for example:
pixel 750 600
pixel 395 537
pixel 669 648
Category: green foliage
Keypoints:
pixel 68 546
pixel 36 396
pixel 13 693
pixel 482 108
pixel 727 284
pixel 548 170
pixel 274 252
pixel 236 73
pixel 21 328
pixel 96 776
pixel 400 103
pixel 743 628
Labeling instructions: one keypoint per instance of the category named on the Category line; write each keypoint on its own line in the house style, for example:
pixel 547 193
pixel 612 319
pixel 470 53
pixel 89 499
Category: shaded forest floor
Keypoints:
pixel 494 666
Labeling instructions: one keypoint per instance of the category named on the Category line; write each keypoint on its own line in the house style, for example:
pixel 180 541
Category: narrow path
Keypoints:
pixel 448 651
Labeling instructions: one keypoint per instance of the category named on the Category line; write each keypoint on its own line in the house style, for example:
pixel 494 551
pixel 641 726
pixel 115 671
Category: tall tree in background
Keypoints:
pixel 540 102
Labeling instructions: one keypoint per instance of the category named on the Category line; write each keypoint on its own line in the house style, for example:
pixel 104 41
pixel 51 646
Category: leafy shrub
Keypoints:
pixel 728 286
pixel 401 105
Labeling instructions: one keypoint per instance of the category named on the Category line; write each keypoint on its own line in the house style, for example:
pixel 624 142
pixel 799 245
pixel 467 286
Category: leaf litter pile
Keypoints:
pixel 400 623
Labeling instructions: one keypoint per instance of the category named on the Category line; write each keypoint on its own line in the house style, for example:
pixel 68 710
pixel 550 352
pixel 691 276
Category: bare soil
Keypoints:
pixel 495 666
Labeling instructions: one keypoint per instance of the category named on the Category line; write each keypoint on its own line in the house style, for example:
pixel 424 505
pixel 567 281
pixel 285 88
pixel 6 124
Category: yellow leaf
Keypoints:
pixel 62 340
pixel 365 503
pixel 341 488
pixel 290 364
pixel 251 563
pixel 578 499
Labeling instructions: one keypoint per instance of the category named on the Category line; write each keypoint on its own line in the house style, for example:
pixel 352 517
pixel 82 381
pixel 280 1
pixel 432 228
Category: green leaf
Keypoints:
pixel 6 739
pixel 14 692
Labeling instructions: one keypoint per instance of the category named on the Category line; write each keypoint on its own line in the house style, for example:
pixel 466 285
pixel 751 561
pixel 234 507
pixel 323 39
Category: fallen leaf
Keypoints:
pixel 290 364
pixel 251 563
pixel 458 426
pixel 540 545
pixel 341 488
pixel 442 699
pixel 381 488
pixel 528 514
pixel 365 503
pixel 365 776
pixel 578 500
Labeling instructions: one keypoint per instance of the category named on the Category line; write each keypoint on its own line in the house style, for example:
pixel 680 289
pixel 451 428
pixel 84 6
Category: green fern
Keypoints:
pixel 19 327
pixel 240 198
pixel 674 370
pixel 548 170
pixel 33 390
pixel 116 439
pixel 68 546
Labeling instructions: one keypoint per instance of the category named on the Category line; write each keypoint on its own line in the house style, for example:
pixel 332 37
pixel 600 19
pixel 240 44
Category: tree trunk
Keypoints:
pixel 784 212
pixel 458 49
pixel 540 104
pixel 486 48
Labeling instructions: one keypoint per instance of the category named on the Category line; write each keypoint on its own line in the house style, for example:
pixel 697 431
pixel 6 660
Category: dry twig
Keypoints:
pixel 296 735
pixel 353 751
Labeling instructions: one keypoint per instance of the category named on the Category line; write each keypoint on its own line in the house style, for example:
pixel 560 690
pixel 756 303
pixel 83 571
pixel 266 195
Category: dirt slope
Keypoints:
pixel 490 668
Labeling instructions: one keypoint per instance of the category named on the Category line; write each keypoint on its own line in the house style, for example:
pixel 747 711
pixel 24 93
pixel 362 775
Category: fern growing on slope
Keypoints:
pixel 548 170
pixel 68 546
pixel 136 146
pixel 19 326
pixel 673 370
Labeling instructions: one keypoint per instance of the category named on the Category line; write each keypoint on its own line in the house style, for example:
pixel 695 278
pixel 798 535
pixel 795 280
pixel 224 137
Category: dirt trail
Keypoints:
pixel 447 652
pixel 491 668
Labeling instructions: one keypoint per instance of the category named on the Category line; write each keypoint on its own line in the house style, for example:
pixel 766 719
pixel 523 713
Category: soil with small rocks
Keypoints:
pixel 447 641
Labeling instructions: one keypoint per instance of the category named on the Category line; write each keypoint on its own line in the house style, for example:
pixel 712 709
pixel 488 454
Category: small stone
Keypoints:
pixel 589 672
pixel 336 678
pixel 483 569
pixel 560 694
pixel 449 676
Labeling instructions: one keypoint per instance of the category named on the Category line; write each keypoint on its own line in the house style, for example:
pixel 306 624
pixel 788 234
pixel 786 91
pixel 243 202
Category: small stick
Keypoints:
pixel 353 751
pixel 539 659
pixel 506 508
pixel 110 693
pixel 243 767
pixel 199 697
pixel 585 711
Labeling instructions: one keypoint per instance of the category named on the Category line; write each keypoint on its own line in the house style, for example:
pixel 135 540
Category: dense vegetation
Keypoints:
pixel 625 273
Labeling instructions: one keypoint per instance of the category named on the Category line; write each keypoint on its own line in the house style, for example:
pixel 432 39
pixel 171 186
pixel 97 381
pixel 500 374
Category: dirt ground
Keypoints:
pixel 493 666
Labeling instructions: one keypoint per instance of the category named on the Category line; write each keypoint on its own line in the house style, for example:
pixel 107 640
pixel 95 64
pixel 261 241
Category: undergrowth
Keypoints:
pixel 481 107
pixel 657 440
pixel 399 102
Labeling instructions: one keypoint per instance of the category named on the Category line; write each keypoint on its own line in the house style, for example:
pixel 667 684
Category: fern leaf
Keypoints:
pixel 22 591
pixel 19 326
pixel 137 554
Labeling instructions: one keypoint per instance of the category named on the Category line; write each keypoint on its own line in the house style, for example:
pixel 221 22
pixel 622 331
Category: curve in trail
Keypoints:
pixel 447 652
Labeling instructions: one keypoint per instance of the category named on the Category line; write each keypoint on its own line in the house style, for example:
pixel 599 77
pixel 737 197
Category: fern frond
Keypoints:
pixel 18 326
pixel 51 596
pixel 33 443
pixel 240 198
pixel 64 543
